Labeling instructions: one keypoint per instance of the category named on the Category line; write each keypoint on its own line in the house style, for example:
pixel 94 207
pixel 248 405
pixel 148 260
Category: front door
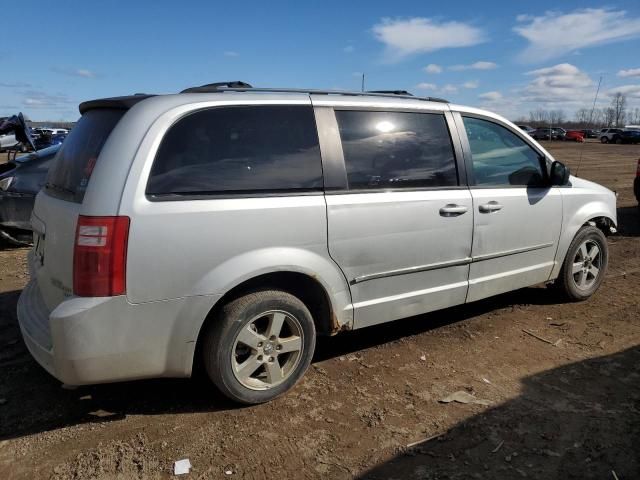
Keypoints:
pixel 517 215
pixel 400 229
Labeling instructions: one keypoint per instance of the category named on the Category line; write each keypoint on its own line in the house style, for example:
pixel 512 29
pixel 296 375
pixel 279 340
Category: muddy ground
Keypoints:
pixel 564 403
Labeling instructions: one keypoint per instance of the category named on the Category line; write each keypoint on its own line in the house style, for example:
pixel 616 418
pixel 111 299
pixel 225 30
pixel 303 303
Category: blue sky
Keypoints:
pixel 511 57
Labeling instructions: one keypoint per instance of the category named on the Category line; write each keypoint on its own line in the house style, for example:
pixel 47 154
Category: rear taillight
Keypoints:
pixel 100 256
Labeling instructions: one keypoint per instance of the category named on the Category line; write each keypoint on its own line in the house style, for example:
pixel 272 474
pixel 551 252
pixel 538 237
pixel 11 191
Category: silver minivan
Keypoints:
pixel 230 226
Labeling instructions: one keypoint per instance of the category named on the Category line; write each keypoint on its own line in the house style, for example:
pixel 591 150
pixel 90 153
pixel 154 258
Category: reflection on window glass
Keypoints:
pixel 69 175
pixel 396 150
pixel 500 157
pixel 264 148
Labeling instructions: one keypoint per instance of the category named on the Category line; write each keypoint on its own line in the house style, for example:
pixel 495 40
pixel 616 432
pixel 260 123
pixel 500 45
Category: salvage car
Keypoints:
pixel 626 136
pixel 574 136
pixel 546 133
pixel 229 226
pixel 20 181
pixel 636 183
pixel 590 133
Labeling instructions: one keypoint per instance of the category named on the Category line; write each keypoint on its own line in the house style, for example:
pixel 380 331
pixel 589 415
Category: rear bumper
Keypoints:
pixel 100 340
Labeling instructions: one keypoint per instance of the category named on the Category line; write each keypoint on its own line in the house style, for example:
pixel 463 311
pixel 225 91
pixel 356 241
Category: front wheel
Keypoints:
pixel 585 265
pixel 259 346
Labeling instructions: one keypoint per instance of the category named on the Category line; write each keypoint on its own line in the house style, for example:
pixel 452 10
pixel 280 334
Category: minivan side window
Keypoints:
pixel 396 150
pixel 257 149
pixel 500 157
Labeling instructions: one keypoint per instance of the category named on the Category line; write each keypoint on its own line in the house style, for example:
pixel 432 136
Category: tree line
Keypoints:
pixel 617 114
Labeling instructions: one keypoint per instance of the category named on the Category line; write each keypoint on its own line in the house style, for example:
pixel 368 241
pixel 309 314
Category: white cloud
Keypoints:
pixel 448 88
pixel 491 96
pixel 554 34
pixel 404 37
pixel 75 72
pixel 433 68
pixel 15 84
pixel 231 53
pixel 427 86
pixel 82 72
pixel 562 83
pixel 482 65
pixel 349 49
pixel 38 99
pixel 632 72
pixel 471 84
pixel 631 91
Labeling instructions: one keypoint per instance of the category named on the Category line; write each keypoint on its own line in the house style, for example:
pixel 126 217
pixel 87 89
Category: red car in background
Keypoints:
pixel 575 135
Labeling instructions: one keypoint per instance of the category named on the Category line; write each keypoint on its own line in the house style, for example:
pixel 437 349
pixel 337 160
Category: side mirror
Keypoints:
pixel 559 174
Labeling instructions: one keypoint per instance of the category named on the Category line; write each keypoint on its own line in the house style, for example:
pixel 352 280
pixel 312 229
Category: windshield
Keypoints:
pixel 69 175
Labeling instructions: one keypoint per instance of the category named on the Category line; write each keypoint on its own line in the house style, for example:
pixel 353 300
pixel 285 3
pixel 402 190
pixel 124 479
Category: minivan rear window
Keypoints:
pixel 69 175
pixel 238 150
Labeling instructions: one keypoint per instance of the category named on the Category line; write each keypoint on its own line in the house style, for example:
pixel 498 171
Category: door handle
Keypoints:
pixel 492 206
pixel 452 210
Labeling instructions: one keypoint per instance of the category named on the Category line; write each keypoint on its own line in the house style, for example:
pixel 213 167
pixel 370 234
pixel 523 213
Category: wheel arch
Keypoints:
pixel 595 213
pixel 318 283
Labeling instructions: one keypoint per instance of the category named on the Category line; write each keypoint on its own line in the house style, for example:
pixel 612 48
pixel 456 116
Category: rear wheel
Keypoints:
pixel 604 140
pixel 618 141
pixel 585 265
pixel 259 346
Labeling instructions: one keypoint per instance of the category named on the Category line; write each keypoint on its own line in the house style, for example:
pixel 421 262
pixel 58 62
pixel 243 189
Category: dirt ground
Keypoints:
pixel 564 403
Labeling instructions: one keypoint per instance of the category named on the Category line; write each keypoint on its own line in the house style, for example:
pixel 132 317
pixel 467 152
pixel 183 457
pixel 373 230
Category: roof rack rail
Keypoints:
pixel 216 87
pixel 239 86
pixel 391 92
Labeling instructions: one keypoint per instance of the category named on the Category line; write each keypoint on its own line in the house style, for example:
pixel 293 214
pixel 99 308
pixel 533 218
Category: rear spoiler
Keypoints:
pixel 121 103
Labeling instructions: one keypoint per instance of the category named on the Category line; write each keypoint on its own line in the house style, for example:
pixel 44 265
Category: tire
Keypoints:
pixel 618 141
pixel 604 140
pixel 259 371
pixel 576 280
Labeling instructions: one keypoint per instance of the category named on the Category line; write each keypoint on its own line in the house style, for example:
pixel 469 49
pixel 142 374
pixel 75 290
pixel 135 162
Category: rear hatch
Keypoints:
pixel 59 204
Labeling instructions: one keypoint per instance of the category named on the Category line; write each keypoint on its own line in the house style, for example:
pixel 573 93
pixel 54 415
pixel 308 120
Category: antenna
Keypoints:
pixel 589 124
pixel 362 87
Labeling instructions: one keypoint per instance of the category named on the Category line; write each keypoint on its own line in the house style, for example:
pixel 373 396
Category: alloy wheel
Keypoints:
pixel 267 350
pixel 586 264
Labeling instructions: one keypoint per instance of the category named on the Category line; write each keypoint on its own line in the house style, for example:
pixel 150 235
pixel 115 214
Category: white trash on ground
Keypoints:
pixel 181 467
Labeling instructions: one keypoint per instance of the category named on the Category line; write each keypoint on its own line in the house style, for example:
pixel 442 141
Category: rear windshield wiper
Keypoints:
pixel 59 188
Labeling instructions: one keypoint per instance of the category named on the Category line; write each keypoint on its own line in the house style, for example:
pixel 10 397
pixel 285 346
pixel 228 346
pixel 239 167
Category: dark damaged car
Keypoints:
pixel 20 181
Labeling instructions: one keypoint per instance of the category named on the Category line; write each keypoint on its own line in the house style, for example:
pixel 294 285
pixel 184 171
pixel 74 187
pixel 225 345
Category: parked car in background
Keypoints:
pixel 626 136
pixel 606 134
pixel 590 133
pixel 20 181
pixel 636 183
pixel 16 134
pixel 45 140
pixel 546 133
pixel 527 129
pixel 7 141
pixel 50 131
pixel 228 227
pixel 574 135
pixel 541 134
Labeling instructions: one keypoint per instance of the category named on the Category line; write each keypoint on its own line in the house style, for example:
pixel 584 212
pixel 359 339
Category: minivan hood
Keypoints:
pixel 595 187
pixel 18 127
